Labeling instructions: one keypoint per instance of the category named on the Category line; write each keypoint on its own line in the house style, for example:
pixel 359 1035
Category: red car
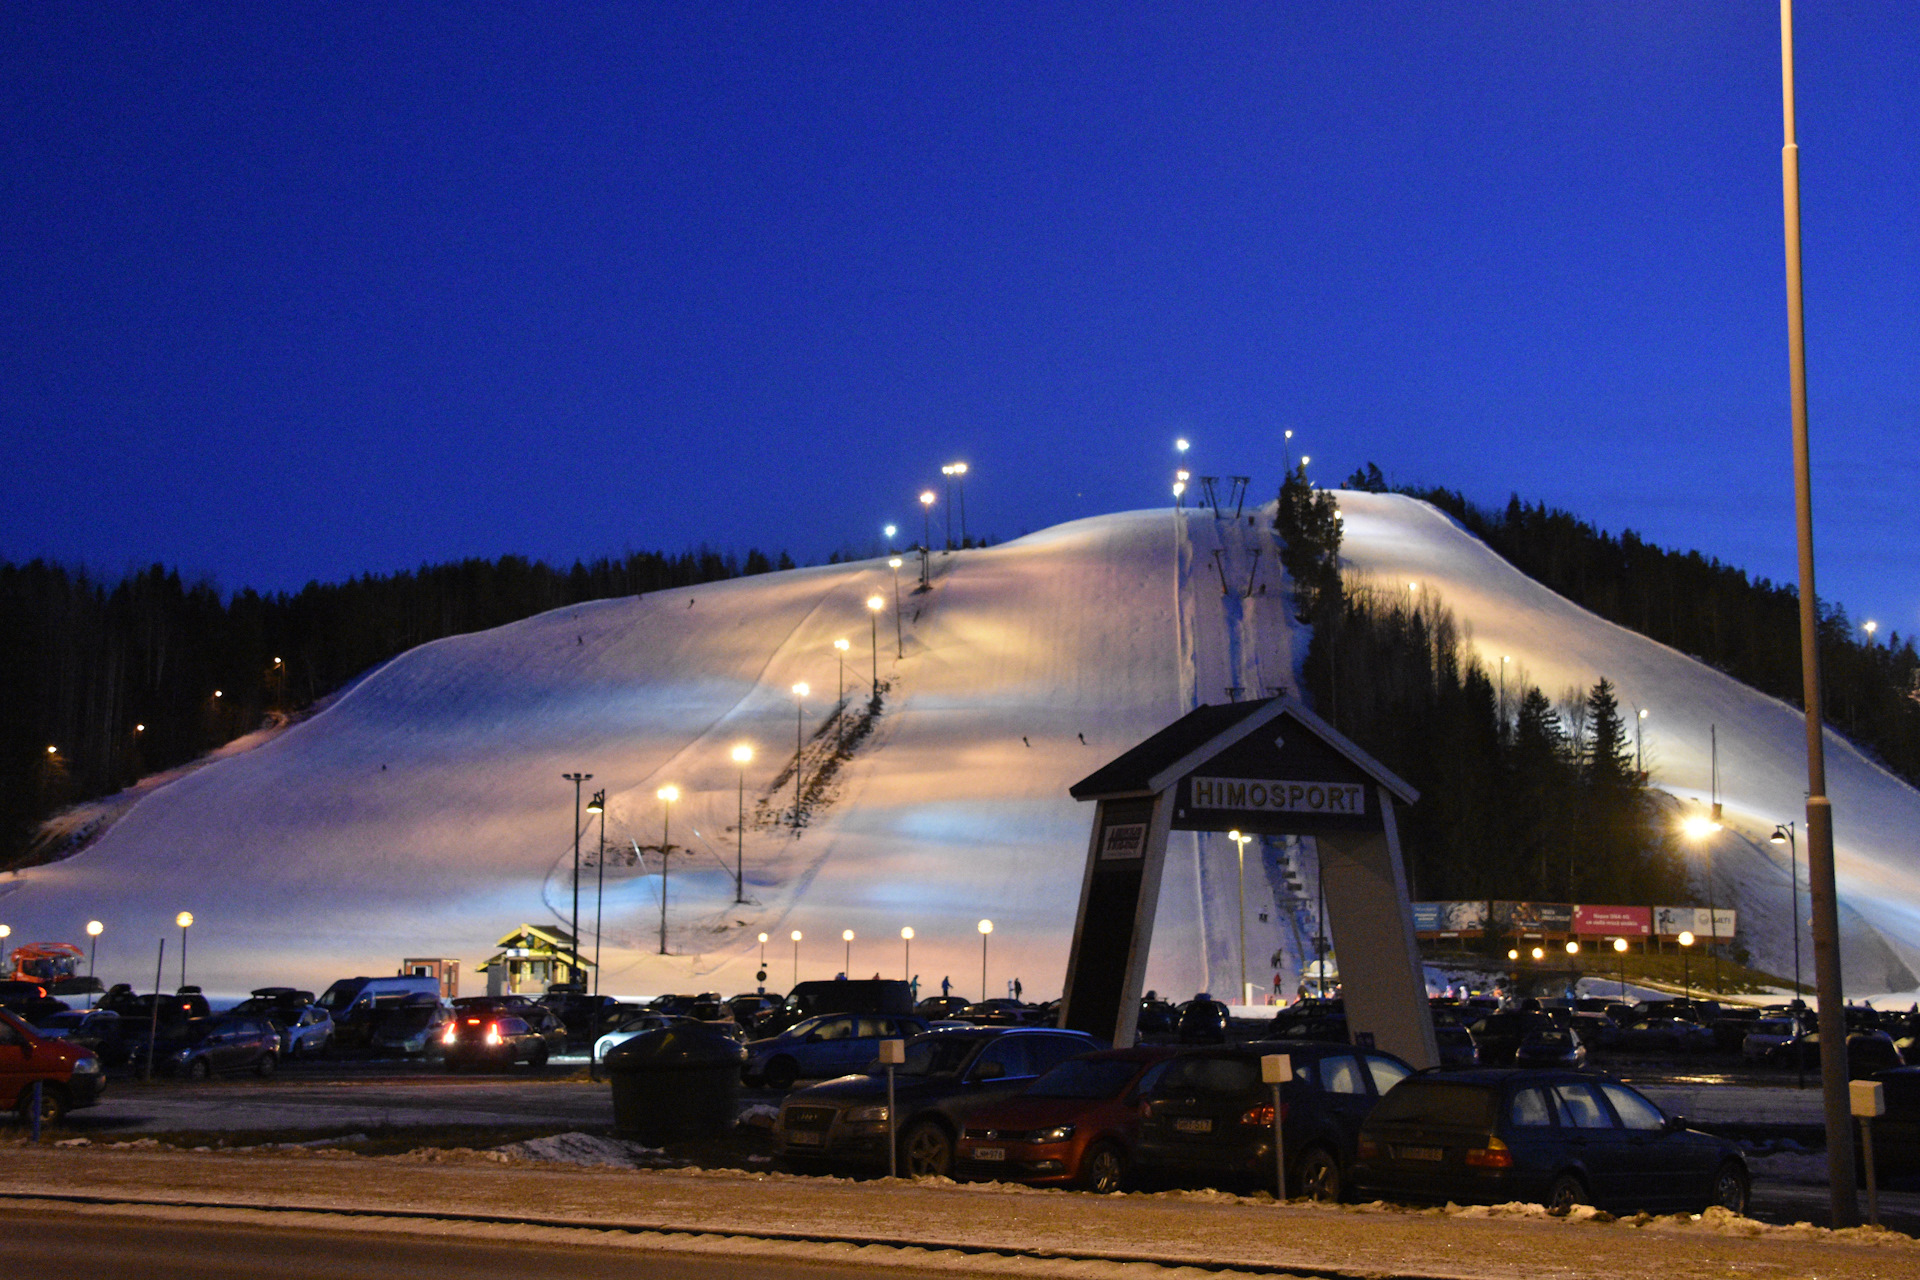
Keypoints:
pixel 1074 1126
pixel 69 1076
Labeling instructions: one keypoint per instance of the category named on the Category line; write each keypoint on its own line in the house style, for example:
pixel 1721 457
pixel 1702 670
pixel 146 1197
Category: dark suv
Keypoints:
pixel 947 1073
pixel 1206 1115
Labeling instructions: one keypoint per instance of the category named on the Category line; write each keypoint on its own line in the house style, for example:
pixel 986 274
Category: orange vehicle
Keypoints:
pixel 46 963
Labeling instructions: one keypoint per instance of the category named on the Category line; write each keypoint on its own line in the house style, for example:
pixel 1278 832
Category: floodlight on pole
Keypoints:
pixel 1240 843
pixel 926 519
pixel 846 936
pixel 947 471
pixel 840 648
pixel 598 805
pixel 890 531
pixel 573 970
pixel 742 756
pixel 906 938
pixel 763 951
pixel 185 921
pixel 875 603
pixel 899 638
pixel 960 477
pixel 796 957
pixel 986 928
pixel 1686 970
pixel 1787 834
pixel 667 796
pixel 800 692
pixel 94 930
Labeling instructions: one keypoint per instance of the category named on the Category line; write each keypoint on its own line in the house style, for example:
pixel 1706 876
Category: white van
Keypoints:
pixel 357 1003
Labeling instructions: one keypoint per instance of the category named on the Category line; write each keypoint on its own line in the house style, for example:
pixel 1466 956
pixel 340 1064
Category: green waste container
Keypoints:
pixel 681 1081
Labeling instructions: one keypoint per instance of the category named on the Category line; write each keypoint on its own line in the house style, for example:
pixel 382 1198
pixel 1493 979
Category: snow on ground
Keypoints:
pixel 423 813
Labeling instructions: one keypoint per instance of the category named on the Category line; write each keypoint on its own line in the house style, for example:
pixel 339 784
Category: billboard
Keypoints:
pixel 1670 922
pixel 1532 917
pixel 1449 917
pixel 1624 922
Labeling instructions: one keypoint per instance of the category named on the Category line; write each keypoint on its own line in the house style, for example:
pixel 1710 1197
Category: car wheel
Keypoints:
pixel 265 1066
pixel 929 1151
pixel 1104 1170
pixel 53 1103
pixel 1731 1189
pixel 539 1058
pixel 781 1074
pixel 1316 1176
pixel 199 1069
pixel 1564 1192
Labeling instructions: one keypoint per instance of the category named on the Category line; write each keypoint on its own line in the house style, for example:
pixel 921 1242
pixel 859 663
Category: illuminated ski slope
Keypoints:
pixel 423 814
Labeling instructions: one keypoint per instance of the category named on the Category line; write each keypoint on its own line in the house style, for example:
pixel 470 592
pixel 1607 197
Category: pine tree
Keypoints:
pixel 1307 521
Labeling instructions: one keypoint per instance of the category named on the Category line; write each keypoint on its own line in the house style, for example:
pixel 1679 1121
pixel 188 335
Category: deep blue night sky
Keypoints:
pixel 303 290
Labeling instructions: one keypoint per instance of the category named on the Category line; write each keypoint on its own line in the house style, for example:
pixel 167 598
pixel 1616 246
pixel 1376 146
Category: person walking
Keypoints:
pixel 946 987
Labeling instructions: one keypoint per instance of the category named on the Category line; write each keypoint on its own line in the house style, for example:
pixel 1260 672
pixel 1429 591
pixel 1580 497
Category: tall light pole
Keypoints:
pixel 800 692
pixel 926 518
pixel 906 965
pixel 986 928
pixel 1786 834
pixel 1240 850
pixel 960 478
pixel 1820 878
pixel 846 936
pixel 599 805
pixel 1639 719
pixel 890 530
pixel 94 929
pixel 840 648
pixel 185 921
pixel 1620 950
pixel 667 796
pixel 1686 970
pixel 796 957
pixel 1702 830
pixel 947 471
pixel 899 637
pixel 875 603
pixel 573 970
pixel 742 755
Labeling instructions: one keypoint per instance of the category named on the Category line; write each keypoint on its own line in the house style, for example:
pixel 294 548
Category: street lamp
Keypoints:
pixel 1539 954
pixel 875 603
pixel 906 938
pixel 1686 970
pixel 94 928
pixel 800 692
pixel 667 796
pixel 899 639
pixel 1639 719
pixel 1573 949
pixel 742 755
pixel 986 927
pixel 185 921
pixel 846 936
pixel 890 530
pixel 1785 833
pixel 1620 949
pixel 960 476
pixel 948 472
pixel 840 648
pixel 796 957
pixel 599 805
pixel 573 970
pixel 926 519
pixel 1699 828
pixel 1240 843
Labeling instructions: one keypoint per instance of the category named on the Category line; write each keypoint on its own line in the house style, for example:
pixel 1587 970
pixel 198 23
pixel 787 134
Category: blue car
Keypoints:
pixel 829 1044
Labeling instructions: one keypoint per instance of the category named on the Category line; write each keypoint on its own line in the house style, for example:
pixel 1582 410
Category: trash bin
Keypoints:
pixel 681 1081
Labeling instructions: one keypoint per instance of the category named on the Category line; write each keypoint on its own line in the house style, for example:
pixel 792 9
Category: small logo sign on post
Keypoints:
pixel 1867 1099
pixel 892 1054
pixel 1276 1069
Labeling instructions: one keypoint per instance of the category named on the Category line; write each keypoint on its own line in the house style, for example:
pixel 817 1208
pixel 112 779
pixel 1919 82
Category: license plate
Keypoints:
pixel 805 1139
pixel 989 1153
pixel 1193 1126
pixel 1418 1153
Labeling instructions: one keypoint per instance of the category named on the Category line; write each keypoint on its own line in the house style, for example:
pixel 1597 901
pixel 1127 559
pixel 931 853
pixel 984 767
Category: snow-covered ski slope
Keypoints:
pixel 423 814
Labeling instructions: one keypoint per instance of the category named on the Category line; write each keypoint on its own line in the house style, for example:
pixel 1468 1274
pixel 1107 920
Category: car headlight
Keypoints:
pixel 867 1115
pixel 183 1054
pixel 87 1066
pixel 1059 1133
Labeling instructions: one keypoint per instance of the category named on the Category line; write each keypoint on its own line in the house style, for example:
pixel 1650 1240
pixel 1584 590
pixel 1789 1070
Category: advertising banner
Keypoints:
pixel 1534 917
pixel 1622 922
pixel 1450 917
pixel 1670 922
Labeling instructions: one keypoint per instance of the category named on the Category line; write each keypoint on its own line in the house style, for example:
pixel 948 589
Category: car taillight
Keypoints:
pixel 1263 1115
pixel 1492 1156
pixel 447 1037
pixel 1369 1149
pixel 493 1034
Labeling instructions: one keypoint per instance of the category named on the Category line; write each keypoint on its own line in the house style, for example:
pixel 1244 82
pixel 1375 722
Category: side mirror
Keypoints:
pixel 990 1071
pixel 1676 1123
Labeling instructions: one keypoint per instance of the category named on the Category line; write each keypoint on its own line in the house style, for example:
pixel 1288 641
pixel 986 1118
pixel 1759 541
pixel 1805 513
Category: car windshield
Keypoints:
pixel 1436 1102
pixel 64 1021
pixel 338 996
pixel 939 1055
pixel 1078 1078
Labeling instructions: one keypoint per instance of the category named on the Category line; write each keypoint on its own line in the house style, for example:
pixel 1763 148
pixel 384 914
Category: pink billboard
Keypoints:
pixel 1625 922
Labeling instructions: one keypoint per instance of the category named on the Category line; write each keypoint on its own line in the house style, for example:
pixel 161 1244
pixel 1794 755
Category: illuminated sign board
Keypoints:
pixel 1347 799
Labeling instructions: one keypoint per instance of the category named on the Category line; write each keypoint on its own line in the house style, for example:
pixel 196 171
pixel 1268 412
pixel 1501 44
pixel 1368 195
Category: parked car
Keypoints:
pixel 1868 1053
pixel 832 1044
pixel 95 1030
pixel 412 1030
pixel 1765 1036
pixel 1077 1125
pixel 1551 1047
pixel 1156 1016
pixel 997 1013
pixel 1456 1044
pixel 306 1029
pixel 636 1025
pixel 834 995
pixel 1206 1115
pixel 224 1042
pixel 1664 1035
pixel 69 1076
pixel 1201 1020
pixel 484 1039
pixel 939 1008
pixel 1322 1020
pixel 1555 1138
pixel 947 1074
pixel 578 1016
pixel 356 1004
pixel 1500 1035
pixel 749 1007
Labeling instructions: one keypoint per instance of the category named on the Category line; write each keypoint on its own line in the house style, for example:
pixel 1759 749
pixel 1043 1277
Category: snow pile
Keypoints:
pixel 586 1149
pixel 423 813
